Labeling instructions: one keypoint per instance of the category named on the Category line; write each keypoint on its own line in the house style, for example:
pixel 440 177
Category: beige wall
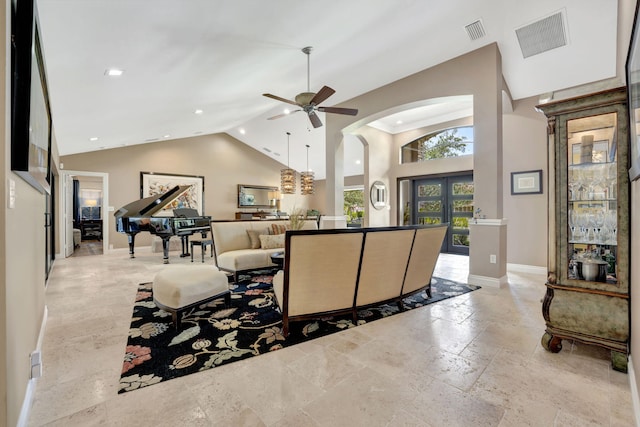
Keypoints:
pixel 23 265
pixel 378 156
pixel 223 161
pixel 476 73
pixel 525 148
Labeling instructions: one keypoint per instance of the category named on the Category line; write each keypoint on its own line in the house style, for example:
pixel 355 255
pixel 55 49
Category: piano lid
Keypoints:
pixel 150 205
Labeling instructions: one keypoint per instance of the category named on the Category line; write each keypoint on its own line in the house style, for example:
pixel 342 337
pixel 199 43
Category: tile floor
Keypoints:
pixel 473 360
pixel 88 248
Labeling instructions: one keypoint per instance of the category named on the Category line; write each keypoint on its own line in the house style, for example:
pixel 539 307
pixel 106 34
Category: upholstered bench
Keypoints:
pixel 178 288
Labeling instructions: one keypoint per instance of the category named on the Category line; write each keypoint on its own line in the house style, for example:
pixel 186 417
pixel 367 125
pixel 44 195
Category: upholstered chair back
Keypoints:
pixel 323 272
pixel 384 262
pixel 424 255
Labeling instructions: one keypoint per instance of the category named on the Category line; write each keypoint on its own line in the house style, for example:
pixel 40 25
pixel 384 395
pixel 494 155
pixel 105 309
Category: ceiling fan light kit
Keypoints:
pixel 309 102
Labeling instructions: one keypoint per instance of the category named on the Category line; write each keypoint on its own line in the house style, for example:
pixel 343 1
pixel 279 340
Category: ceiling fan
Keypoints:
pixel 309 101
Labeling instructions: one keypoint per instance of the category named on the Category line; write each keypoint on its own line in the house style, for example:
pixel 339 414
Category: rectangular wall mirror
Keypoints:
pixel 255 196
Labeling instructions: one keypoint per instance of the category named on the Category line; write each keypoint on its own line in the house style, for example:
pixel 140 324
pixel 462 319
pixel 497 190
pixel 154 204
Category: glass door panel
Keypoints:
pixel 592 198
pixel 446 199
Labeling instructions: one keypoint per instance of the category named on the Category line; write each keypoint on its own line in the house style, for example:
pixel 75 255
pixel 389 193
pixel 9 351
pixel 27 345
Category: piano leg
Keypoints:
pixel 185 246
pixel 165 249
pixel 132 239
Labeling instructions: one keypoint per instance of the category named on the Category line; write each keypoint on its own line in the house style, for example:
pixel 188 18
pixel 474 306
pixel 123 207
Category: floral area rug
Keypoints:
pixel 212 334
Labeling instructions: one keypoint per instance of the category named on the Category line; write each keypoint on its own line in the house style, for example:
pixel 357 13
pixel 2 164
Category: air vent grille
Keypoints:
pixel 475 30
pixel 542 36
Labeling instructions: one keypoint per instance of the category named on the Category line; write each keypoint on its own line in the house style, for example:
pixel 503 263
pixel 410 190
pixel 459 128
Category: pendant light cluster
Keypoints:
pixel 306 179
pixel 288 175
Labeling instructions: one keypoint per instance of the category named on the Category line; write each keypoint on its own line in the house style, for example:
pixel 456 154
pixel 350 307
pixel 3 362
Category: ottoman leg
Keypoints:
pixel 175 316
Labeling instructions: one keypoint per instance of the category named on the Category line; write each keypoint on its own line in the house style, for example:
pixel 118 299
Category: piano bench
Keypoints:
pixel 203 245
pixel 179 288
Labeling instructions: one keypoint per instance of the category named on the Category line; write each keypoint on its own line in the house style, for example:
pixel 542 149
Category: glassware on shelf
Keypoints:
pixel 572 224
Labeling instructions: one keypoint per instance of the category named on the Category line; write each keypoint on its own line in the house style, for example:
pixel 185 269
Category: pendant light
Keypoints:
pixel 288 175
pixel 306 179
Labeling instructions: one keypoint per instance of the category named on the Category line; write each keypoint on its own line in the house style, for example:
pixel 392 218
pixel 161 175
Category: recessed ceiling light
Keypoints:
pixel 198 111
pixel 113 72
pixel 399 122
pixel 166 136
pixel 242 131
pixel 286 111
pixel 357 162
pixel 93 138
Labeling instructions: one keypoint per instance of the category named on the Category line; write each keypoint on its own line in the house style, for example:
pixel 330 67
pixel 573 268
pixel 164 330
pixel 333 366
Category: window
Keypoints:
pixel 354 206
pixel 452 142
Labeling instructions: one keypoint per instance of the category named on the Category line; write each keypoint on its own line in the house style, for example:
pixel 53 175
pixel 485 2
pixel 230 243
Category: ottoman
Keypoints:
pixel 178 288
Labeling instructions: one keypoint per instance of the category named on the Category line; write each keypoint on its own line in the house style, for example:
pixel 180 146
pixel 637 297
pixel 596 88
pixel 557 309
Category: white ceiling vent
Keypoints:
pixel 475 30
pixel 542 36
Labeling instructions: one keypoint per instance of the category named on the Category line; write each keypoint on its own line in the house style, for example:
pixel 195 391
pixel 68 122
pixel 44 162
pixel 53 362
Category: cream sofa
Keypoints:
pixel 232 245
pixel 330 272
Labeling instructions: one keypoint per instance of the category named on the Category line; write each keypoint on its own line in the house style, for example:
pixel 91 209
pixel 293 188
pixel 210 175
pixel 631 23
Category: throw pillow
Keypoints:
pixel 272 241
pixel 279 228
pixel 253 236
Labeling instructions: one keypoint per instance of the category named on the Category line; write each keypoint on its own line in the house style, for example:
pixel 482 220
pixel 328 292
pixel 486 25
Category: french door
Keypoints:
pixel 442 199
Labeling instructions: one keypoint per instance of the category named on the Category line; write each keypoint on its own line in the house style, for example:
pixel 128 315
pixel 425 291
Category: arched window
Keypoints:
pixel 452 142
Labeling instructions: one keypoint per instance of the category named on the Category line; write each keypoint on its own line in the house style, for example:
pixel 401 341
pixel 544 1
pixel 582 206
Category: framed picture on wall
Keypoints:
pixel 526 182
pixel 153 183
pixel 30 112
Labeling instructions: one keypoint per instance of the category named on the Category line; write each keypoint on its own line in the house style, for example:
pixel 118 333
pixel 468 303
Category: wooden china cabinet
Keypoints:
pixel 587 296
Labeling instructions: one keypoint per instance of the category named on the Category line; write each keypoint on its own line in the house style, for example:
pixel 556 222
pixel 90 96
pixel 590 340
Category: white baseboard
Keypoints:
pixel 28 395
pixel 491 282
pixel 635 398
pixel 523 268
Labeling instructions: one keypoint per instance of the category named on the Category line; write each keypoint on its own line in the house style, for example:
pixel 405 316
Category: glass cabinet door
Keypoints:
pixel 592 216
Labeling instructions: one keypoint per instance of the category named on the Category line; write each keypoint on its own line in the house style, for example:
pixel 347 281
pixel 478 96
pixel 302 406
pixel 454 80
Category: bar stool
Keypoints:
pixel 203 245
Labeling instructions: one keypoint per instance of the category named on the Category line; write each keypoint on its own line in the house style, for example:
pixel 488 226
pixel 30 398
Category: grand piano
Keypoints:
pixel 138 216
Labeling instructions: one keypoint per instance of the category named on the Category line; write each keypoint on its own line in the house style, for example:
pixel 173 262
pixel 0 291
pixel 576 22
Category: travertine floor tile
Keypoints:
pixel 475 360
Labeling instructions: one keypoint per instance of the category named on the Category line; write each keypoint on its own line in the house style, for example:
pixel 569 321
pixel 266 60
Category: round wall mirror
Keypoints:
pixel 378 195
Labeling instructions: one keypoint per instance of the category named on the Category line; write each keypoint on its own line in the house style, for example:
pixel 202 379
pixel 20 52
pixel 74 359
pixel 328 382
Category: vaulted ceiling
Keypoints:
pixel 221 56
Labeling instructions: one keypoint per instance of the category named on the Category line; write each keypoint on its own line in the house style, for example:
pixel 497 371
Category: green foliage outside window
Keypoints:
pixel 441 145
pixel 460 222
pixel 461 239
pixel 431 190
pixel 354 205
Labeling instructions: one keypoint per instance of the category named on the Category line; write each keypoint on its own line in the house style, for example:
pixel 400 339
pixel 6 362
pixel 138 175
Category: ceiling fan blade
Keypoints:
pixel 315 120
pixel 277 98
pixel 338 110
pixel 323 94
pixel 282 115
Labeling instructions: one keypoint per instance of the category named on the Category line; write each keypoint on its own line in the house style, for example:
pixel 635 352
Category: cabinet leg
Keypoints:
pixel 619 361
pixel 551 343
